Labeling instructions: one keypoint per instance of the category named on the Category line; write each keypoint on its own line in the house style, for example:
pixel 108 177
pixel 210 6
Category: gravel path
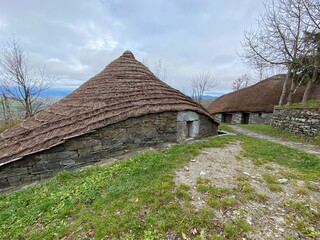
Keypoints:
pixel 304 147
pixel 269 219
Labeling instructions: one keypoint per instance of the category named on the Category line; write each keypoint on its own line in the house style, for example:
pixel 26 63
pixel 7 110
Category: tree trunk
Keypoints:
pixel 314 77
pixel 28 106
pixel 291 93
pixel 285 87
pixel 307 91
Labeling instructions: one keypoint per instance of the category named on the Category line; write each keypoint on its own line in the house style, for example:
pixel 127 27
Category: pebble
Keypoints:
pixel 202 173
pixel 282 180
pixel 193 160
pixel 300 183
pixel 280 220
pixel 186 168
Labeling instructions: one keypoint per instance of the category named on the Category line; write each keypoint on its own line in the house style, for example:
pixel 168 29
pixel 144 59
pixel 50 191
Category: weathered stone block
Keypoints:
pixel 67 162
pixel 194 129
pixel 182 131
pixel 187 116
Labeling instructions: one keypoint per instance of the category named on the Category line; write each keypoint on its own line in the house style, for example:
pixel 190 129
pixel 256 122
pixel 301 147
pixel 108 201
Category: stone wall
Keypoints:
pixel 254 118
pixel 305 121
pixel 258 118
pixel 217 117
pixel 107 142
pixel 236 118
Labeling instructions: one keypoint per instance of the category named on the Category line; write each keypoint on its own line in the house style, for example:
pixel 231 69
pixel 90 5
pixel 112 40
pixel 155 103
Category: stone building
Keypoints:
pixel 122 108
pixel 255 103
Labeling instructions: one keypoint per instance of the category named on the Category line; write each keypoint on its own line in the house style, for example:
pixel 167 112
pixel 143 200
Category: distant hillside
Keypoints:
pixel 206 102
pixel 17 109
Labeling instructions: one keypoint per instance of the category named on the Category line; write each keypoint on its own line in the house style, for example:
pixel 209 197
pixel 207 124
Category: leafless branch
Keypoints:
pixel 201 83
pixel 241 82
pixel 19 79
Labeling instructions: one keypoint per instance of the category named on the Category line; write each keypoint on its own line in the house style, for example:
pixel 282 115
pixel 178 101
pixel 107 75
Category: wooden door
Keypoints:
pixel 227 118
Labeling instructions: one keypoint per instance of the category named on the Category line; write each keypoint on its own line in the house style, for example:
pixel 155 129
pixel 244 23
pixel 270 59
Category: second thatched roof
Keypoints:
pixel 260 97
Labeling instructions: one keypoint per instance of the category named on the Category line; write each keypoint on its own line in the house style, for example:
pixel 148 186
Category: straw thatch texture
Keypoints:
pixel 260 97
pixel 124 89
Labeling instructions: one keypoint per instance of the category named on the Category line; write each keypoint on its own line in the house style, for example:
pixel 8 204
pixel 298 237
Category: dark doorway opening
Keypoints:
pixel 245 118
pixel 227 118
pixel 189 129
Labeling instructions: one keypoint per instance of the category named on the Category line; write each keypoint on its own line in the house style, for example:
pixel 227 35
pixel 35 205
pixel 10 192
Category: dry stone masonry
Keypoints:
pixel 300 120
pixel 106 142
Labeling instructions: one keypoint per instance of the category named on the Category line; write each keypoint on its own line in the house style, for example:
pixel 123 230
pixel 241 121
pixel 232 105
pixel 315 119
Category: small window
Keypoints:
pixel 259 114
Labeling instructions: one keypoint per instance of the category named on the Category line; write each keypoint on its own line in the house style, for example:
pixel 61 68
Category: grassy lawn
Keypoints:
pixel 282 134
pixel 315 103
pixel 137 198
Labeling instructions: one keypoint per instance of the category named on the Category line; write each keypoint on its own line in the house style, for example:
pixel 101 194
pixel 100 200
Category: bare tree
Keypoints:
pixel 312 10
pixel 279 39
pixel 160 70
pixel 241 82
pixel 202 82
pixel 21 80
pixel 316 70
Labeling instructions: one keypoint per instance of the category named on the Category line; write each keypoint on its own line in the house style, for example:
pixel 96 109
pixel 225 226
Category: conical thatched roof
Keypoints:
pixel 124 89
pixel 260 97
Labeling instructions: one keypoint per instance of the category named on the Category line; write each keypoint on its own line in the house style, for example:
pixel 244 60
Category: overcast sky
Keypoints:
pixel 76 39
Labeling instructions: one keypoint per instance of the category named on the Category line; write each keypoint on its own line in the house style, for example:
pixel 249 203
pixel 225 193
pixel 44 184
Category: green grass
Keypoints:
pixel 125 200
pixel 306 219
pixel 282 134
pixel 262 151
pixel 137 198
pixel 315 103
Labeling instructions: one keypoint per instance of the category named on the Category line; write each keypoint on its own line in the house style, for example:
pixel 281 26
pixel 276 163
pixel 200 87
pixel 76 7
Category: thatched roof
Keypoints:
pixel 124 89
pixel 260 97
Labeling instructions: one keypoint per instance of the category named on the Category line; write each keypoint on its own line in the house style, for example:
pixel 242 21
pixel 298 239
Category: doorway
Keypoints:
pixel 227 118
pixel 245 118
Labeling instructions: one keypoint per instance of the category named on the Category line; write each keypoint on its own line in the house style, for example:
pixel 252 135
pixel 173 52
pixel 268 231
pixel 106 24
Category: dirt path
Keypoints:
pixel 305 147
pixel 244 193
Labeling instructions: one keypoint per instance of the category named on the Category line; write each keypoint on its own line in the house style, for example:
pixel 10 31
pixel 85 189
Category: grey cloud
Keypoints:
pixel 77 39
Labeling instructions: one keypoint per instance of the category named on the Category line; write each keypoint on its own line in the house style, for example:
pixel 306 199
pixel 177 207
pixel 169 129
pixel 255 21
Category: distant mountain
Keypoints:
pixel 58 92
pixel 209 97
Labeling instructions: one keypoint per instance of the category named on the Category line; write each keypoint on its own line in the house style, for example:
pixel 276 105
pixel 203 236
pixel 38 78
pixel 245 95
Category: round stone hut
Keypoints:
pixel 122 108
pixel 254 104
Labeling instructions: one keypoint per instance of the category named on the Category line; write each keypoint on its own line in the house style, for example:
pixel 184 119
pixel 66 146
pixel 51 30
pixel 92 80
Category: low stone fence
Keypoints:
pixel 297 120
